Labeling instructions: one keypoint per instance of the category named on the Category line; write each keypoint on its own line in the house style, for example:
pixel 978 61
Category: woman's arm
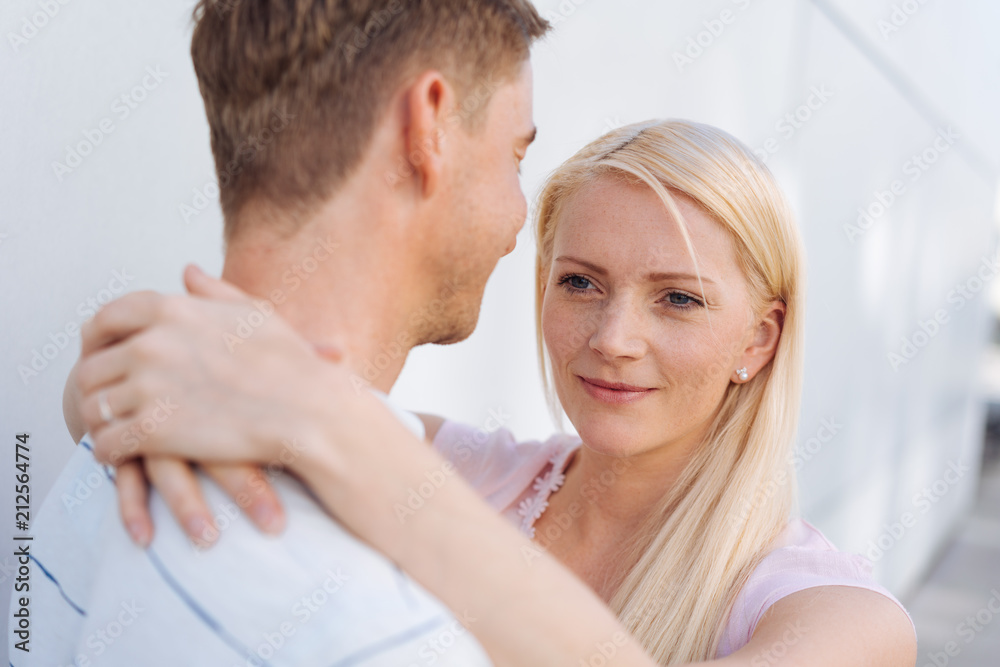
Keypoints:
pixel 831 626
pixel 247 404
pixel 365 467
pixel 529 610
pixel 523 605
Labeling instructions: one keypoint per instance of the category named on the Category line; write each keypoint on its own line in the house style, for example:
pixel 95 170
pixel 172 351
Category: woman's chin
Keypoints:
pixel 610 436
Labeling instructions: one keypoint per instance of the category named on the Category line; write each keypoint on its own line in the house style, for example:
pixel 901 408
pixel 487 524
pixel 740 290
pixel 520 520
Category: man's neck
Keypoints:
pixel 336 288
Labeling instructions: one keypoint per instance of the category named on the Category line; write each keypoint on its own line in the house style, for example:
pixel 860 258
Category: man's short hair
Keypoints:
pixel 293 89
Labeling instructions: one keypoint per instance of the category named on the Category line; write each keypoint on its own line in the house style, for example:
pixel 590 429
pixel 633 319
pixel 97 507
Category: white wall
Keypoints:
pixel 63 239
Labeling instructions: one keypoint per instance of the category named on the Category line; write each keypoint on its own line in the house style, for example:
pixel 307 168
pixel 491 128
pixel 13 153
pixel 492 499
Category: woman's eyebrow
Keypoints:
pixel 657 277
pixel 652 277
pixel 593 267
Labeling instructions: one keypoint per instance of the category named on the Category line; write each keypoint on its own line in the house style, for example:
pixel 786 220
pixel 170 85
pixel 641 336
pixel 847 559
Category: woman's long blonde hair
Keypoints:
pixel 711 529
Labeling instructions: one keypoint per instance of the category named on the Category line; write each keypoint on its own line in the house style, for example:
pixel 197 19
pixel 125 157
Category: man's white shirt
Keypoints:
pixel 315 596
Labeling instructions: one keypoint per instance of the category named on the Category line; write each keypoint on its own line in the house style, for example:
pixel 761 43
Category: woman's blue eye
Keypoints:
pixel 683 301
pixel 574 282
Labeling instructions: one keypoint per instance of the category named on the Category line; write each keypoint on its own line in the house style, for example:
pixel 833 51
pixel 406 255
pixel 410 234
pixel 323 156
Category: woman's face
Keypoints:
pixel 640 356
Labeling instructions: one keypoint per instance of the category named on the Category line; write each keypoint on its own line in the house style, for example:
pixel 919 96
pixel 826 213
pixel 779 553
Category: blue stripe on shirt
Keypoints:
pixel 384 645
pixel 214 625
pixel 55 581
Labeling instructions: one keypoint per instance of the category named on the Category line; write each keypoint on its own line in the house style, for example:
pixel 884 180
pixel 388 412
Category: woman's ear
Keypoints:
pixel 764 342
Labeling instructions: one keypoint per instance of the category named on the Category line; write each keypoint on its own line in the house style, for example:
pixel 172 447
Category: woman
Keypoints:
pixel 669 311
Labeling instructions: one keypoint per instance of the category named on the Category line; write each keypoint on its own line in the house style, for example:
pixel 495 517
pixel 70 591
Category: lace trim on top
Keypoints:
pixel 547 483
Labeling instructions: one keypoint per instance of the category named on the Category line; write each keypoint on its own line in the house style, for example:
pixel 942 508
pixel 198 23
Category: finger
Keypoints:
pixel 133 501
pixel 119 319
pixel 248 486
pixel 199 283
pixel 176 481
pixel 103 367
pixel 121 401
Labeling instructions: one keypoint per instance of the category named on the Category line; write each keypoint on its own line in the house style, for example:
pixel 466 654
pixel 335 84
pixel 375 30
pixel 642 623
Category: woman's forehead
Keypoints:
pixel 628 226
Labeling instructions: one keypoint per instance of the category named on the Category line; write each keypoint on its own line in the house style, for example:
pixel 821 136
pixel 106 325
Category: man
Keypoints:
pixel 367 155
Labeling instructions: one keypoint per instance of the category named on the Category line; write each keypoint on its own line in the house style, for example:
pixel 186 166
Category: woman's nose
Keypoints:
pixel 619 332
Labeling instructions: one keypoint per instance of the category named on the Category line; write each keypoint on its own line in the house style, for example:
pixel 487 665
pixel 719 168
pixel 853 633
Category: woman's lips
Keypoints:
pixel 614 393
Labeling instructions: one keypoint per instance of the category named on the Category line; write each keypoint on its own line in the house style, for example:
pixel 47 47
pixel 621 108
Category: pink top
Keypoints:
pixel 517 479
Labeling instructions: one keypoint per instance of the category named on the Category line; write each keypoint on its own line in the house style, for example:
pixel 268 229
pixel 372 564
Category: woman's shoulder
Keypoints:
pixel 801 557
pixel 491 459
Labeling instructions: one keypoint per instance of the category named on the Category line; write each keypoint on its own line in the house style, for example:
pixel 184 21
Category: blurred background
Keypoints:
pixel 879 118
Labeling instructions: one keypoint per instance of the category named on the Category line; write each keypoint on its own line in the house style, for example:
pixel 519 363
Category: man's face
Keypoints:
pixel 487 207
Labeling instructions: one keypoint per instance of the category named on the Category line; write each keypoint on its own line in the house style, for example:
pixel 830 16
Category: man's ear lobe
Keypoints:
pixel 429 101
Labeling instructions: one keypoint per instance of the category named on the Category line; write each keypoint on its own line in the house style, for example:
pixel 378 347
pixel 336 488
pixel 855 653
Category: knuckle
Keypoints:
pixel 145 347
pixel 146 389
pixel 173 308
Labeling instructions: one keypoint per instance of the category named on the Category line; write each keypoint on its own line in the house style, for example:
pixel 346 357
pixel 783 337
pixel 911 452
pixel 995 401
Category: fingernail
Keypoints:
pixel 201 532
pixel 140 535
pixel 268 519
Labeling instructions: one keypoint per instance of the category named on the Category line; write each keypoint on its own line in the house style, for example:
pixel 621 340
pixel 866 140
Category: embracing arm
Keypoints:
pixel 522 604
pixel 530 610
pixel 524 607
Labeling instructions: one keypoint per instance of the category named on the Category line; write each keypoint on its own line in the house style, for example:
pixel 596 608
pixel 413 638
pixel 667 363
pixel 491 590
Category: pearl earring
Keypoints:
pixel 742 374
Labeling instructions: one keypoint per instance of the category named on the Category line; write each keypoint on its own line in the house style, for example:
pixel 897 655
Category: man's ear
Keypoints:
pixel 764 343
pixel 428 102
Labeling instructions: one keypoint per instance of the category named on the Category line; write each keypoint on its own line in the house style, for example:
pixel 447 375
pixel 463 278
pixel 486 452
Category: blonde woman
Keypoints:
pixel 670 298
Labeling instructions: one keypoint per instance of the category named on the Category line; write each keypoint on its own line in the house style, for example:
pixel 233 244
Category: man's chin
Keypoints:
pixel 456 335
pixel 456 327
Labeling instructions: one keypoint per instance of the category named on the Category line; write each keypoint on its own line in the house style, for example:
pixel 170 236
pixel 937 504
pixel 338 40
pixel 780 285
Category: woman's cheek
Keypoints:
pixel 562 336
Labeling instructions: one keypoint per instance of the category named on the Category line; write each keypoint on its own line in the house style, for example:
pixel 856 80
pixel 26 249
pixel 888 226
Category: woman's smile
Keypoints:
pixel 614 393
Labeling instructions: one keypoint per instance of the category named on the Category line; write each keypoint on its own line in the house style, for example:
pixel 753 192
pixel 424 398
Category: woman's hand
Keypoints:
pixel 180 488
pixel 176 481
pixel 221 379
